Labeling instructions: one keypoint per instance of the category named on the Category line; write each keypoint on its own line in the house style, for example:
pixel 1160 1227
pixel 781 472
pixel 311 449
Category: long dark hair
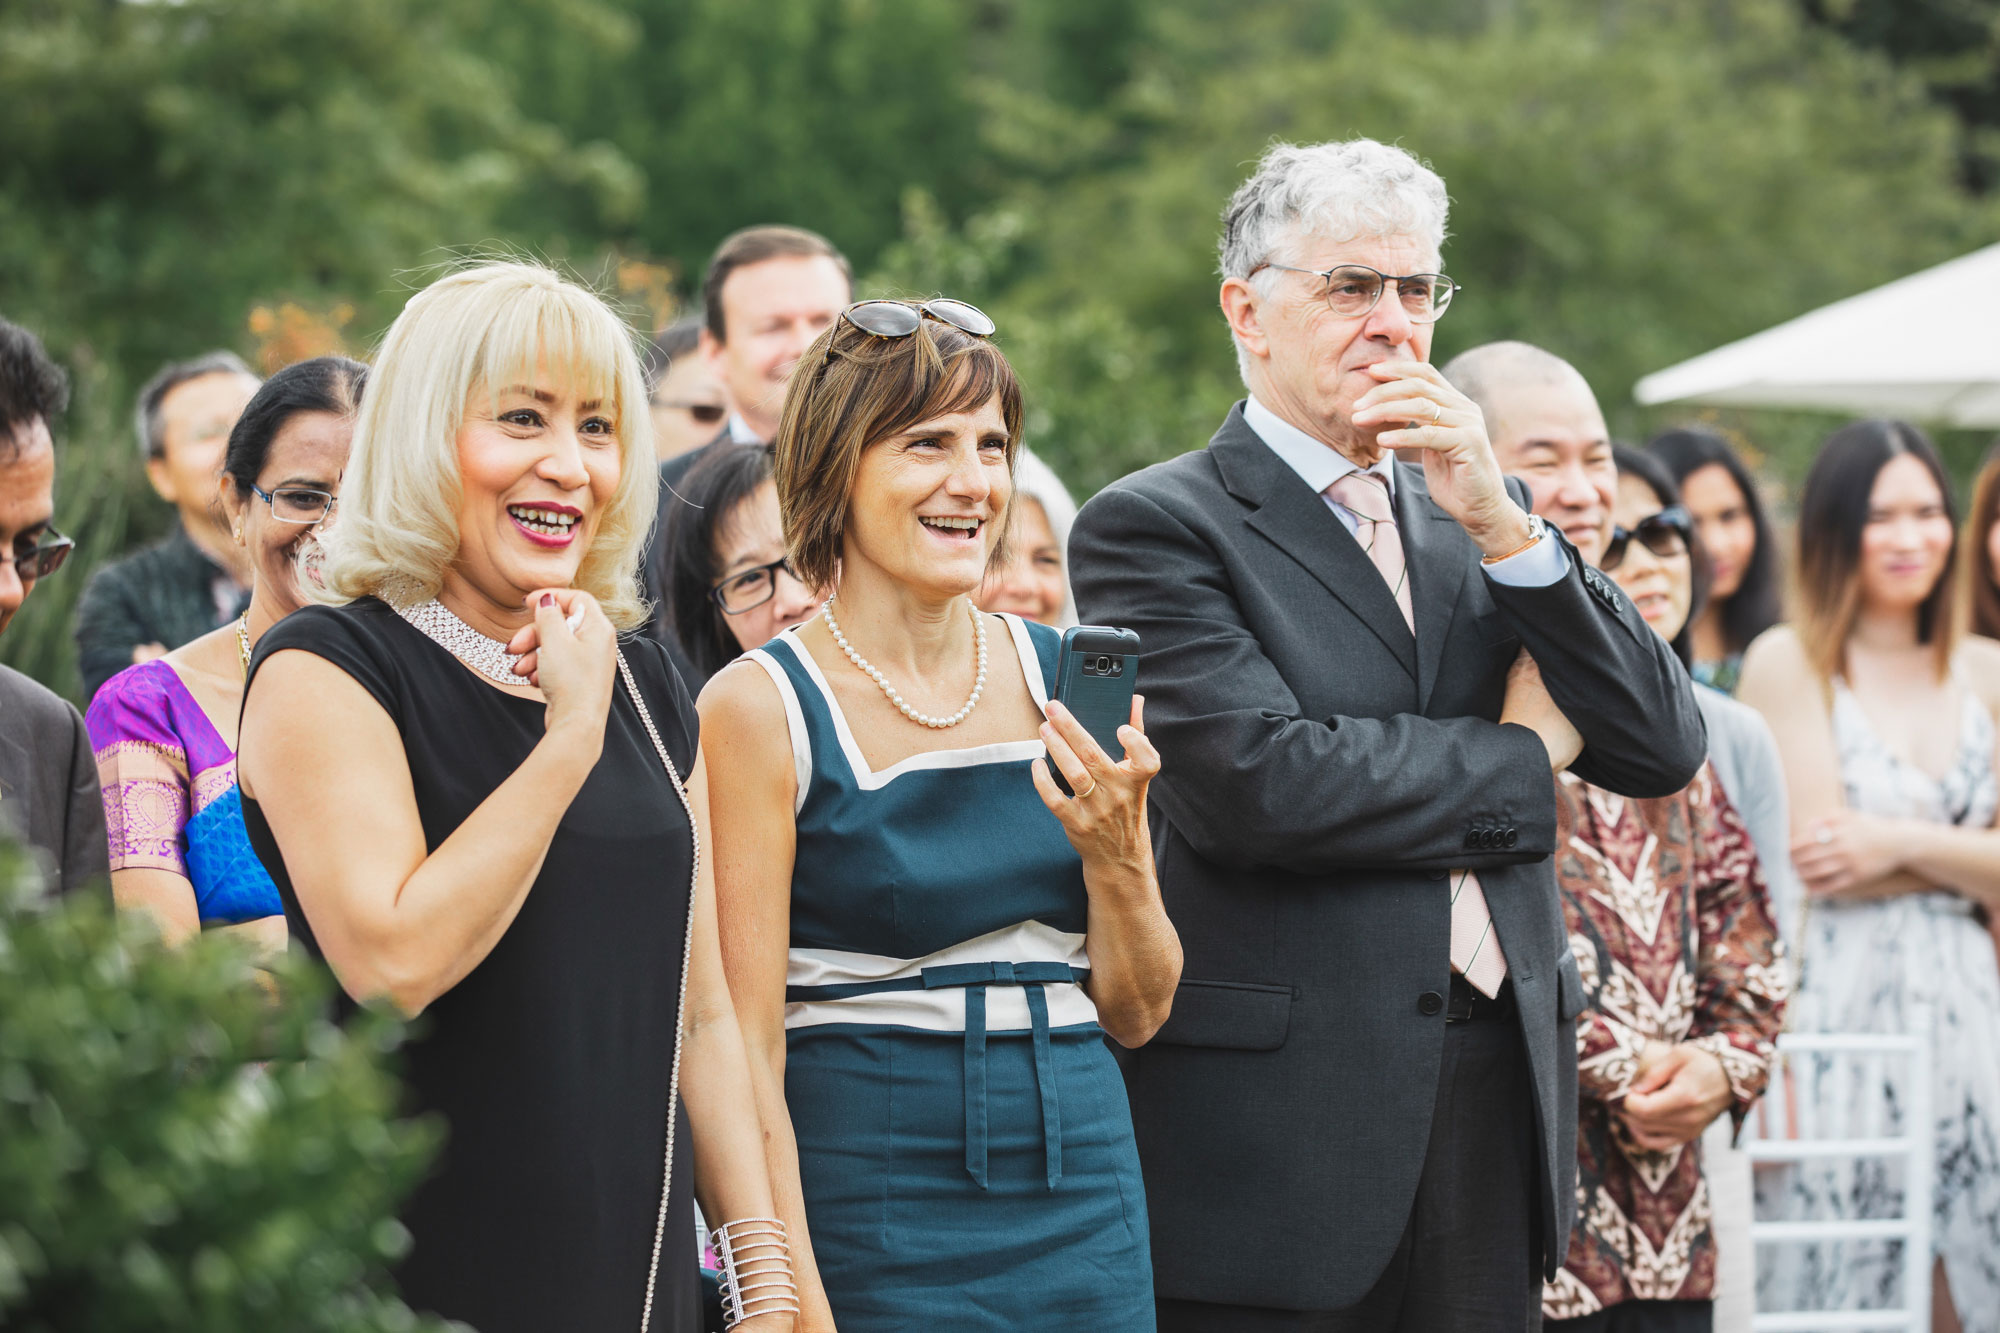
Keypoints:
pixel 713 489
pixel 1757 603
pixel 1833 511
pixel 1982 593
pixel 323 384
pixel 1637 463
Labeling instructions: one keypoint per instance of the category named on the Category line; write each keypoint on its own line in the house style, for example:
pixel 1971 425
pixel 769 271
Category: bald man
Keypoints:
pixel 1547 430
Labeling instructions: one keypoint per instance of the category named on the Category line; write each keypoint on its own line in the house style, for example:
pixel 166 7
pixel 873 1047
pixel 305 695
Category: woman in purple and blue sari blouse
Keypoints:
pixel 164 731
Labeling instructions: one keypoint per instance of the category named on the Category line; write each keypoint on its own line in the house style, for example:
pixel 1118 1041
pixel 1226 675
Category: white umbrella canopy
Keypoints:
pixel 1925 347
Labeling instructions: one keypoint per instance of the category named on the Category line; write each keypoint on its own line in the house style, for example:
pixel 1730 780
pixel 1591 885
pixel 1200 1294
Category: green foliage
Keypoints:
pixel 168 166
pixel 1633 183
pixel 1953 46
pixel 153 1178
pixel 1629 189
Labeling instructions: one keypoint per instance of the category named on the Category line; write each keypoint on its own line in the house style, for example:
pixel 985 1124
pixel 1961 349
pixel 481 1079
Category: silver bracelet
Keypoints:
pixel 756 1264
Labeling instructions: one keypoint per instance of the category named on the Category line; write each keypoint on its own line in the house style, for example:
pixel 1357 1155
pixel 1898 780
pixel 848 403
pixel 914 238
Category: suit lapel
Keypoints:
pixel 1436 560
pixel 1298 522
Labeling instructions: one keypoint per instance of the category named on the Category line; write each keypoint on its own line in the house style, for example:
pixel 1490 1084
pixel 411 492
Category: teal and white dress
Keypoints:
pixel 965 1144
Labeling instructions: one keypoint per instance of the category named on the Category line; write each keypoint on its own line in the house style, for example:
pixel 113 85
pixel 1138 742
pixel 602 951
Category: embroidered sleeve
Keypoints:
pixel 142 770
pixel 1742 982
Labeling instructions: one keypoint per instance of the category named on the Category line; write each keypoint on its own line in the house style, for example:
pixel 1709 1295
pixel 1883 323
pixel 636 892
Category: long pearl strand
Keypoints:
pixel 978 681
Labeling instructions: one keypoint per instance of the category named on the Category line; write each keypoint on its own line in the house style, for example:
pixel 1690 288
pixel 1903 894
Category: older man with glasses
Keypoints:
pixel 1362 1112
pixel 48 780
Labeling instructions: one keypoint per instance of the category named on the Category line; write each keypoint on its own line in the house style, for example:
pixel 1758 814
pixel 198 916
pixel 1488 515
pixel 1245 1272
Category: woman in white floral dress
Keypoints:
pixel 1891 766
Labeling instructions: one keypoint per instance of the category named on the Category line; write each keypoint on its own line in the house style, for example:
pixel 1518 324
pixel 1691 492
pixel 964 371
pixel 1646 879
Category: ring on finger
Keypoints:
pixel 1086 791
pixel 1437 411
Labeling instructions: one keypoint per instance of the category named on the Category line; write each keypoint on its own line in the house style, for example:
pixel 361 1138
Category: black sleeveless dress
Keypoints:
pixel 550 1061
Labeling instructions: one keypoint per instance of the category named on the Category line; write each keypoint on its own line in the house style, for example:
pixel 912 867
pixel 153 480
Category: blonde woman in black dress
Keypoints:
pixel 504 843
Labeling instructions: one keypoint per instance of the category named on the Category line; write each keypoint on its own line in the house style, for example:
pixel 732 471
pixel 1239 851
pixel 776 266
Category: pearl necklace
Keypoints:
pixel 488 656
pixel 978 682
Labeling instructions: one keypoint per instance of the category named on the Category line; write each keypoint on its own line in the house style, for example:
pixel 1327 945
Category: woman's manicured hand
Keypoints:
pixel 573 668
pixel 1106 818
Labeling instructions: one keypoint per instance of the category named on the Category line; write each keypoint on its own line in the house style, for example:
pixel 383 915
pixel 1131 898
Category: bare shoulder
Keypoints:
pixel 742 710
pixel 1774 660
pixel 1978 659
pixel 1779 680
pixel 307 709
pixel 1777 650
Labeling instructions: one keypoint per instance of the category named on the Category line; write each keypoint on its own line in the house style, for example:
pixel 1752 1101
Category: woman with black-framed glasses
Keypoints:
pixel 165 730
pixel 730 585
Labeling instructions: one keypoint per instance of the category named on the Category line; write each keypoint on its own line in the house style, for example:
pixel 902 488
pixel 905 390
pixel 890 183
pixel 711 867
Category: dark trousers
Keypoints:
pixel 1642 1317
pixel 1469 1260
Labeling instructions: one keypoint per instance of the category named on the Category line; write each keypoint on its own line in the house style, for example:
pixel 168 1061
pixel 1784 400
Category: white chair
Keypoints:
pixel 1916 1144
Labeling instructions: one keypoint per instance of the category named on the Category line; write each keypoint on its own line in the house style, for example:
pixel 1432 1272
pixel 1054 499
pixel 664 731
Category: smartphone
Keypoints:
pixel 1096 672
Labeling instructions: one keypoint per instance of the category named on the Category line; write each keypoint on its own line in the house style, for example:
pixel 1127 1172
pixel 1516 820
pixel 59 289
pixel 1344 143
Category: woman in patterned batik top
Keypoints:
pixel 165 730
pixel 1679 952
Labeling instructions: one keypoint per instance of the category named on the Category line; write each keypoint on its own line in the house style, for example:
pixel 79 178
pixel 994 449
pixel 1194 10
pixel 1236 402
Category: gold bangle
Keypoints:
pixel 1535 533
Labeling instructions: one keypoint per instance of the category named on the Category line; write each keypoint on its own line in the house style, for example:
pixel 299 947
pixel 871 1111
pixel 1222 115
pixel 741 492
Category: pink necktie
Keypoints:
pixel 1475 946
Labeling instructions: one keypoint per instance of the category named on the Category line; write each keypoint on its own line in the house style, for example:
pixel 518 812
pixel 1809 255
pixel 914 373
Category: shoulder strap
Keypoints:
pixel 680 1006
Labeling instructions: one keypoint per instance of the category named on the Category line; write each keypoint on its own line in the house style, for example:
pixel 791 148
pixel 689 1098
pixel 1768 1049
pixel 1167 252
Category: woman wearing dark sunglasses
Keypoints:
pixel 730 586
pixel 1662 892
pixel 926 940
pixel 165 730
pixel 1656 556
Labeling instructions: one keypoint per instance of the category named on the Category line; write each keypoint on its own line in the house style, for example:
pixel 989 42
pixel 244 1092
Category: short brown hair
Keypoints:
pixel 754 245
pixel 860 390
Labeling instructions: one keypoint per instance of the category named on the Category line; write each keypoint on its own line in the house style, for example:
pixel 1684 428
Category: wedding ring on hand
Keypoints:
pixel 1086 791
pixel 1437 412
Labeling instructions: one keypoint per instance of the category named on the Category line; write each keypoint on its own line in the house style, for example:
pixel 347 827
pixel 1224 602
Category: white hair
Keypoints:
pixel 1037 481
pixel 471 332
pixel 1337 191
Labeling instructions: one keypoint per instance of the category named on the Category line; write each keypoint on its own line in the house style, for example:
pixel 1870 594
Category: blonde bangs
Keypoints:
pixel 480 331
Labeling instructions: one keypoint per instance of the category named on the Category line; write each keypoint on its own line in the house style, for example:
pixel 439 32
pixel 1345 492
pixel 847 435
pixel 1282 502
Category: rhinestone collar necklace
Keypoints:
pixel 488 656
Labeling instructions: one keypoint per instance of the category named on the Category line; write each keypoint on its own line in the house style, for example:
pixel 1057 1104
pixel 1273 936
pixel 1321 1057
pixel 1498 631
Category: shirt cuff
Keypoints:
pixel 1540 566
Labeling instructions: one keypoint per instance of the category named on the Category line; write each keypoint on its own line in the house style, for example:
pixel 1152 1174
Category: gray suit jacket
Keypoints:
pixel 48 785
pixel 1323 771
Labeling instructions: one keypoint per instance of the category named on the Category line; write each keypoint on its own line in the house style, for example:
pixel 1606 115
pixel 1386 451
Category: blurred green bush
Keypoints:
pixel 153 1177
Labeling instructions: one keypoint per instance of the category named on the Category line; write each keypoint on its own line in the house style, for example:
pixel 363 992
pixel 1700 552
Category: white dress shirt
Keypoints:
pixel 1320 465
pixel 740 432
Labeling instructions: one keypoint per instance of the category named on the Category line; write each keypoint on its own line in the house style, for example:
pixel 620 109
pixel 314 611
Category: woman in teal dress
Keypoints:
pixel 927 940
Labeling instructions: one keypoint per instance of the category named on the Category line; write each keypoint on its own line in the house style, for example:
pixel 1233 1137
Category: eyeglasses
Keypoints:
pixel 297 504
pixel 900 319
pixel 1353 289
pixel 45 559
pixel 1666 534
pixel 751 588
pixel 708 414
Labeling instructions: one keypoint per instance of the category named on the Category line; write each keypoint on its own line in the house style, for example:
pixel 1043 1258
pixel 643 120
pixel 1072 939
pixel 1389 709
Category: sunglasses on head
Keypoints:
pixel 1666 534
pixel 900 319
